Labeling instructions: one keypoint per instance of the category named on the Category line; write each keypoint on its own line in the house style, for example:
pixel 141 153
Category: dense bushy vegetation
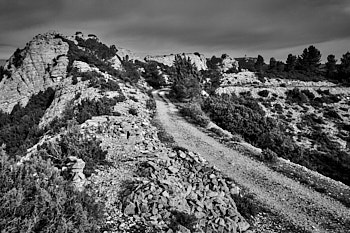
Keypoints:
pixel 305 96
pixel 152 75
pixel 84 111
pixel 34 197
pixel 89 56
pixel 186 81
pixel 131 73
pixel 97 48
pixel 211 80
pixel 245 117
pixel 19 129
pixel 195 113
pixel 97 80
pixel 75 144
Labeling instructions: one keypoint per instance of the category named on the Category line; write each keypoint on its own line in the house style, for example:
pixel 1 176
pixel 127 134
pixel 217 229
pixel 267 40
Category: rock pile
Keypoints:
pixel 182 192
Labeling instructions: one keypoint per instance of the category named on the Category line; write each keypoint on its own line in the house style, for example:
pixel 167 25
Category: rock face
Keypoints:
pixel 198 59
pixel 41 64
pixel 228 63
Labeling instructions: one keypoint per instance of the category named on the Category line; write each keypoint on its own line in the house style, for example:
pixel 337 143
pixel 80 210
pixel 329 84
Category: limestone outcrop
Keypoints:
pixel 41 64
pixel 228 63
pixel 197 59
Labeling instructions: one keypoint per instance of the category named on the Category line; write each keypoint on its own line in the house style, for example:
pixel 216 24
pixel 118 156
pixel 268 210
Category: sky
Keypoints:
pixel 271 28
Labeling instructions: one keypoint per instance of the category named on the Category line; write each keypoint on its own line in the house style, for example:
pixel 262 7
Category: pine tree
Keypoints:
pixel 331 67
pixel 273 64
pixel 345 66
pixel 310 59
pixel 291 62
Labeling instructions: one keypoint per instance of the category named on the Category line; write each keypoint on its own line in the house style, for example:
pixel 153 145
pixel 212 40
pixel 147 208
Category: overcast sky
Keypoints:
pixel 236 27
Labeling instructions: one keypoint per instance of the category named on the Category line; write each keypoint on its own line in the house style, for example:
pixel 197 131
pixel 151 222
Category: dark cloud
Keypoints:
pixel 156 26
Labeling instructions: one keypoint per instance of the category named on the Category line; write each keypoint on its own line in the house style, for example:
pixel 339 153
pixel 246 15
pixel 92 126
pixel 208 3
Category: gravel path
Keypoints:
pixel 299 205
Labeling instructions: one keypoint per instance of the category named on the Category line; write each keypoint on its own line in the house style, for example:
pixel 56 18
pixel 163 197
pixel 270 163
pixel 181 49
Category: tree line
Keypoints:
pixel 307 66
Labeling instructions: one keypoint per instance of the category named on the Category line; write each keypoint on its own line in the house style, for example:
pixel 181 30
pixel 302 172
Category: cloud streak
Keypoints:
pixel 156 26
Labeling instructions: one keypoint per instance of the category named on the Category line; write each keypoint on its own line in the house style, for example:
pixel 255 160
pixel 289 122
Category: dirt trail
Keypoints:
pixel 297 204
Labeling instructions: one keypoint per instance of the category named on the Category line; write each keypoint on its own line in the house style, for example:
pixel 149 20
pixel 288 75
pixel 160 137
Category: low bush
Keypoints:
pixel 217 131
pixel 83 112
pixel 296 96
pixel 268 155
pixel 195 113
pixel 332 114
pixel 131 74
pixel 263 93
pixel 151 104
pixel 35 198
pixel 133 111
pixel 101 50
pixel 89 108
pixel 75 144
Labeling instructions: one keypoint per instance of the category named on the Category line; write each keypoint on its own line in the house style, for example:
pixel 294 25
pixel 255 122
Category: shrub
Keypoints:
pixel 217 131
pixel 214 78
pixel 133 111
pixel 263 93
pixel 268 155
pixel 75 144
pixel 152 75
pixel 131 74
pixel 35 198
pixel 151 104
pixel 89 108
pixel 332 114
pixel 101 50
pixel 296 96
pixel 195 112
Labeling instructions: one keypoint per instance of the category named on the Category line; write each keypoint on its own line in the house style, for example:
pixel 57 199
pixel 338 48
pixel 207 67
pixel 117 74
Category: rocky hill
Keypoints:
pixel 77 122
pixel 40 65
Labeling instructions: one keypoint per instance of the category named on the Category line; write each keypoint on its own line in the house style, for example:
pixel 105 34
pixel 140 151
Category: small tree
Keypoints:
pixel 345 67
pixel 310 59
pixel 187 79
pixel 153 76
pixel 331 67
pixel 291 63
pixel 280 66
pixel 273 64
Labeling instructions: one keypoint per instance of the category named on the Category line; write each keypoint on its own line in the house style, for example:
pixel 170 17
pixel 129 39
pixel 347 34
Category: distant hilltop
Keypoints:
pixel 2 62
pixel 198 59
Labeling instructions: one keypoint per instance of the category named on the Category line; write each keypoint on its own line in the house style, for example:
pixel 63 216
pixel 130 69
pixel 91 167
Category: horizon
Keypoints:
pixel 271 28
